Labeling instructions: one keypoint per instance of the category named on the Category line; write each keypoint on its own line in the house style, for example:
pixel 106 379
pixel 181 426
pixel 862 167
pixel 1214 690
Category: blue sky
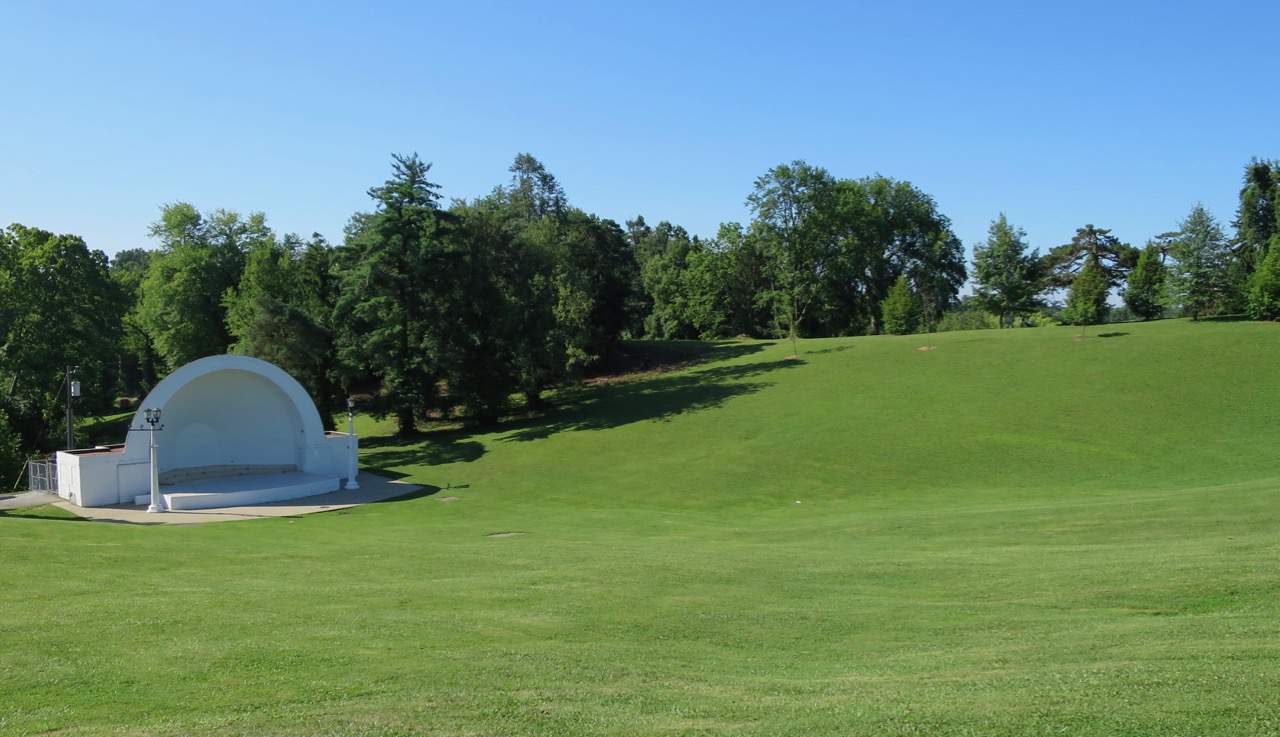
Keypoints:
pixel 1119 114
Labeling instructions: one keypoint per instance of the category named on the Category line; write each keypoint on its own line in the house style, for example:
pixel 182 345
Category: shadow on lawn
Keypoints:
pixel 434 448
pixel 594 407
pixel 640 356
pixel 659 398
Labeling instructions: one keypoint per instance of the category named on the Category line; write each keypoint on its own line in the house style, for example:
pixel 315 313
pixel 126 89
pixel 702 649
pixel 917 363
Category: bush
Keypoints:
pixel 10 456
pixel 967 318
pixel 1264 286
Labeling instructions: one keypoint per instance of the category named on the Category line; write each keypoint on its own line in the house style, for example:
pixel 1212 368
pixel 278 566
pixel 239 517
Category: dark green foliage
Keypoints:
pixel 967 315
pixel 593 274
pixel 1264 286
pixel 1094 246
pixel 834 248
pixel 788 202
pixel 58 307
pixel 1199 280
pixel 1009 280
pixel 901 309
pixel 388 309
pixel 200 259
pixel 664 270
pixel 282 312
pixel 1087 299
pixel 1258 215
pixel 10 455
pixel 1144 295
pixel 139 364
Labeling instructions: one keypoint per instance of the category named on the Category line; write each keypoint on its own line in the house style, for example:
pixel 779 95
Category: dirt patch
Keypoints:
pixel 641 375
pixel 926 348
pixel 506 534
pixel 448 499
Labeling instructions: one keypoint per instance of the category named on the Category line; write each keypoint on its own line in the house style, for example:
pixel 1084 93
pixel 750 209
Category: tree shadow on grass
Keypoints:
pixel 667 355
pixel 832 349
pixel 592 407
pixel 433 448
pixel 660 398
pixel 1112 335
pixel 46 513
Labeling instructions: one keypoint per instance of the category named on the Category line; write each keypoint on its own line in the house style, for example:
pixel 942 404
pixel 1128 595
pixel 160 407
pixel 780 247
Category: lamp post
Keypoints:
pixel 351 444
pixel 152 417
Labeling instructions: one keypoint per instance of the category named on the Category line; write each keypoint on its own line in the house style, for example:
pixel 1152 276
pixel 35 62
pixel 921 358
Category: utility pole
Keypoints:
pixel 73 392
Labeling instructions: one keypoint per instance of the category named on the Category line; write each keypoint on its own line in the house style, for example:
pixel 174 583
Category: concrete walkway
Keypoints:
pixel 372 489
pixel 23 499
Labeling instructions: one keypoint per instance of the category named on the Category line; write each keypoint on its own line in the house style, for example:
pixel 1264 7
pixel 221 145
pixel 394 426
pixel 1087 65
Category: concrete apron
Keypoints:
pixel 373 488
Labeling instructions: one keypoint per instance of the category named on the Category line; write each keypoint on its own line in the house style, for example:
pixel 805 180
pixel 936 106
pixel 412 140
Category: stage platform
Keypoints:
pixel 242 490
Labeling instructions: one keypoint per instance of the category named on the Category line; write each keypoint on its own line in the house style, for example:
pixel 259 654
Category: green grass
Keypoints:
pixel 1016 533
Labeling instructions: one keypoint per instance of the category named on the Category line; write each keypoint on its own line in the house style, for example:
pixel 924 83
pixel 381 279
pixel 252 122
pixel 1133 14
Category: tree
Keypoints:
pixel 391 264
pixel 1257 219
pixel 901 309
pixel 666 250
pixel 481 339
pixel 1094 246
pixel 10 455
pixel 200 258
pixel 58 308
pixel 877 229
pixel 1198 279
pixel 593 275
pixel 534 192
pixel 282 312
pixel 1008 279
pixel 1087 300
pixel 786 201
pixel 1264 288
pixel 139 364
pixel 1144 294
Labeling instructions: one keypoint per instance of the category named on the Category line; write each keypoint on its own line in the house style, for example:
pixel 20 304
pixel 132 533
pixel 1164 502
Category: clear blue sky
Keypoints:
pixel 1120 114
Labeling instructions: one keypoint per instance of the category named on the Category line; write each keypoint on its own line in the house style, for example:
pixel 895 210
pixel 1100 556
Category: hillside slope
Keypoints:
pixel 1014 533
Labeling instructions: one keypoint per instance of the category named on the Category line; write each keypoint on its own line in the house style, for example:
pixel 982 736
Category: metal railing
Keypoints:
pixel 42 474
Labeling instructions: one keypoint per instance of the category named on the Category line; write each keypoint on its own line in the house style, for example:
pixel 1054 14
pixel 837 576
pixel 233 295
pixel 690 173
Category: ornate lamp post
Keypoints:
pixel 152 417
pixel 351 443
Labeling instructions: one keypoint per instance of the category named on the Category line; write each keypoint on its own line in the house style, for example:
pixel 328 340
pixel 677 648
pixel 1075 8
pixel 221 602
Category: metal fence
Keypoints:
pixel 42 475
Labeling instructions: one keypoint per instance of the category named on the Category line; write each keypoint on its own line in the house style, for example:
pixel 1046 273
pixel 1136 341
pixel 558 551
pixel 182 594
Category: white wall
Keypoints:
pixel 230 417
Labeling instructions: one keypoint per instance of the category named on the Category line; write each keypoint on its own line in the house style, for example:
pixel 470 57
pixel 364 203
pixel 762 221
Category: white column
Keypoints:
pixel 157 501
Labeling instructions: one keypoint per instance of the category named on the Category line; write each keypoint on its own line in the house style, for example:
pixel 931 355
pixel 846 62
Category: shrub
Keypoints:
pixel 10 457
pixel 966 318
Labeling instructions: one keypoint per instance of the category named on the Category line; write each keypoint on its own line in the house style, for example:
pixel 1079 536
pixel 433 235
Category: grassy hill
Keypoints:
pixel 1016 532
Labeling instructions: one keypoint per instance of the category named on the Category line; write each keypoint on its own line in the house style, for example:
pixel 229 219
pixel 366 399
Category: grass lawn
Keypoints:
pixel 1016 533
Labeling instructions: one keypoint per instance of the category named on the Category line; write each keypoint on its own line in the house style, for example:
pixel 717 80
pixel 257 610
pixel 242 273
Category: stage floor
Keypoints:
pixel 244 489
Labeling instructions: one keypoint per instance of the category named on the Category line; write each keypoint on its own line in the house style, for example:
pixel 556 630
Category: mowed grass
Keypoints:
pixel 1016 533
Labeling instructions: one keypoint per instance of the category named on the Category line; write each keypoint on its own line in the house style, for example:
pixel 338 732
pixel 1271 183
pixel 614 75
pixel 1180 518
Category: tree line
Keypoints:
pixel 471 308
